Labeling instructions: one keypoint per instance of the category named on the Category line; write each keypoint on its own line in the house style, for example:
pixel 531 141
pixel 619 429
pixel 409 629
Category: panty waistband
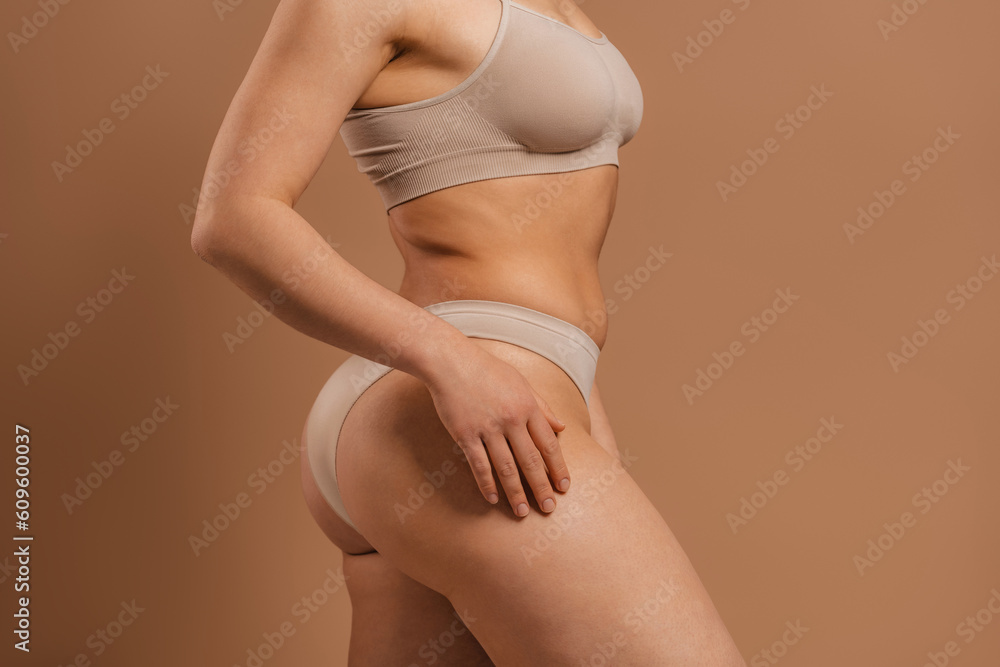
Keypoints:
pixel 562 343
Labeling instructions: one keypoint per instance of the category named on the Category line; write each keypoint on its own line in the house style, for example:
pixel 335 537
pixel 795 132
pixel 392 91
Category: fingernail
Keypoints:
pixel 493 498
pixel 522 510
pixel 548 505
pixel 564 484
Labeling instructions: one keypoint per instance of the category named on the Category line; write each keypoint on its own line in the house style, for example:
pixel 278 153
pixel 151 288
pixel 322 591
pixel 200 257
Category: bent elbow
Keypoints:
pixel 208 229
pixel 211 238
pixel 225 228
pixel 203 240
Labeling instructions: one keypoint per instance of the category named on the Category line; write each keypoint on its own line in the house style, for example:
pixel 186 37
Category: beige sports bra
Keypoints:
pixel 545 99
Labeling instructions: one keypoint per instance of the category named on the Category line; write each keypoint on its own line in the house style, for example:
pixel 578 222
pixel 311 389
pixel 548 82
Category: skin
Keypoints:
pixel 582 570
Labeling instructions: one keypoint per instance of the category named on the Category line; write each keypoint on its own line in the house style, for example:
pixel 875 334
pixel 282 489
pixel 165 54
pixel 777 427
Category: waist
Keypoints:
pixel 575 296
pixel 531 241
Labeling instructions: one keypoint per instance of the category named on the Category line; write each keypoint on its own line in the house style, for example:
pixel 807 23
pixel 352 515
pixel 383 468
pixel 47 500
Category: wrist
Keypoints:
pixel 437 350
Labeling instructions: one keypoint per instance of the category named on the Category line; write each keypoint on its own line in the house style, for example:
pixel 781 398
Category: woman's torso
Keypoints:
pixel 532 240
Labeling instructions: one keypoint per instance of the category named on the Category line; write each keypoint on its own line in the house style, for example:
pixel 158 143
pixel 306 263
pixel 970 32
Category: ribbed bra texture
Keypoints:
pixel 545 99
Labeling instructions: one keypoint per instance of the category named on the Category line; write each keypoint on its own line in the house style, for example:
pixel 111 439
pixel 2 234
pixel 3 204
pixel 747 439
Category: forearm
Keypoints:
pixel 267 249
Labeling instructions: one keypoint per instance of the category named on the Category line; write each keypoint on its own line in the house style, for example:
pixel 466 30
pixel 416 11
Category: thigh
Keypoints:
pixel 395 620
pixel 602 577
pixel 398 621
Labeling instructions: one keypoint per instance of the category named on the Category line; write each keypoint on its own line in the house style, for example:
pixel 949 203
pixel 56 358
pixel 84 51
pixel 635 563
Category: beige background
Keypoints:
pixel 826 357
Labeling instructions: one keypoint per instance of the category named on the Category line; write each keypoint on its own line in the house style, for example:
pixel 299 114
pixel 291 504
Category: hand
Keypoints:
pixel 482 399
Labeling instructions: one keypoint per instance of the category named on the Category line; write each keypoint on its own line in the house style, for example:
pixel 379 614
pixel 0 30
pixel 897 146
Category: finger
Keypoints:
pixel 554 422
pixel 533 467
pixel 507 472
pixel 551 450
pixel 482 470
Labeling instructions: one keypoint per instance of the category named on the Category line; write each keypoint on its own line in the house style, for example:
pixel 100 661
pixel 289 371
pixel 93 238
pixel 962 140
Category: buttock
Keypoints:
pixel 558 359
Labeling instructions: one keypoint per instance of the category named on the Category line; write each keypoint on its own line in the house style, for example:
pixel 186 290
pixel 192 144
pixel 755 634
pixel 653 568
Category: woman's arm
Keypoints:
pixel 316 59
pixel 276 134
